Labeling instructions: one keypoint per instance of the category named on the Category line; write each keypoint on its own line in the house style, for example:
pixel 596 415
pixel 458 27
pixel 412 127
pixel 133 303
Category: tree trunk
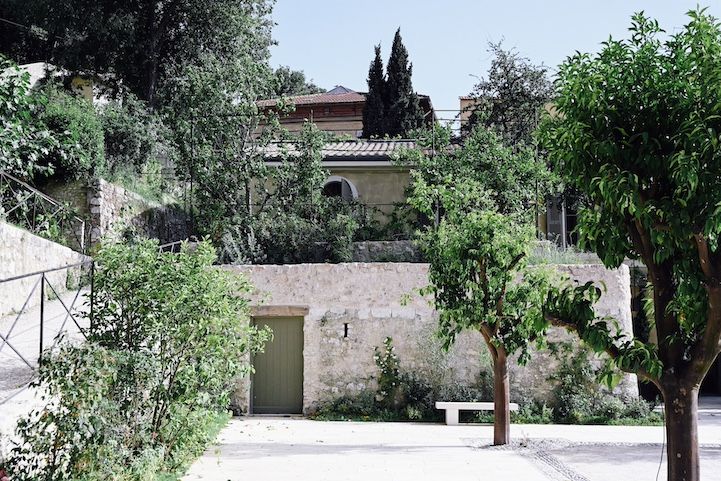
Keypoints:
pixel 501 398
pixel 681 411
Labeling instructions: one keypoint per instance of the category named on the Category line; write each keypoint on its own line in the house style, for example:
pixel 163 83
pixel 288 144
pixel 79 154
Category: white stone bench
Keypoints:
pixel 452 409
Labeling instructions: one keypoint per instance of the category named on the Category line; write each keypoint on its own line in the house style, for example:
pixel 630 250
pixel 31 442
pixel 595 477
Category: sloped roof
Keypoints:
pixel 338 95
pixel 347 150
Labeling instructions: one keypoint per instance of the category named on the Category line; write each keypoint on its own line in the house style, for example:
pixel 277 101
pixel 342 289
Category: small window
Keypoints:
pixel 340 187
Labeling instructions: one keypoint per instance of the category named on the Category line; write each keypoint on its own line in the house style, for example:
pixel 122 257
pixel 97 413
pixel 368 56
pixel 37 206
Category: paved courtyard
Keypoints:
pixel 277 449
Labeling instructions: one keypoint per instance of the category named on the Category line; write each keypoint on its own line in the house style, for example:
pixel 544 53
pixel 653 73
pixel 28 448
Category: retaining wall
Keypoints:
pixel 369 298
pixel 386 251
pixel 113 210
pixel 23 253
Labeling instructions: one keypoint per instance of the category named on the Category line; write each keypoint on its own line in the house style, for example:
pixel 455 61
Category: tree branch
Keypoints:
pixel 611 350
pixel 487 336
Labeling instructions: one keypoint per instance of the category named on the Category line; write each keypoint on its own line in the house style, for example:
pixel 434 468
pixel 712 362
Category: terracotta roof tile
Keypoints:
pixel 346 150
pixel 323 98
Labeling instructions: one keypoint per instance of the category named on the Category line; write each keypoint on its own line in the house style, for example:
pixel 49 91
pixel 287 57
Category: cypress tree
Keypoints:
pixel 374 109
pixel 403 111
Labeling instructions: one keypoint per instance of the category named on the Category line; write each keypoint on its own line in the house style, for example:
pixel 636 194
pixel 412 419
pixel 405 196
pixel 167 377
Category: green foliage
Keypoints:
pixel 645 156
pixel 138 145
pixel 292 82
pixel 533 412
pixel 292 221
pixel 479 195
pixel 401 395
pixel 212 113
pixel 475 261
pixel 375 105
pixel 482 173
pixel 134 136
pixel 388 373
pixel 139 43
pixel 571 306
pixel 510 99
pixel 392 108
pixel 170 337
pixel 550 253
pixel 73 120
pixel 360 407
pixel 579 399
pixel 403 112
pixel 200 65
pixel 25 143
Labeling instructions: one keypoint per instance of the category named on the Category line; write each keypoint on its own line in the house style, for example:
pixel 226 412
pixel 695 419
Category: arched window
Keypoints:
pixel 341 187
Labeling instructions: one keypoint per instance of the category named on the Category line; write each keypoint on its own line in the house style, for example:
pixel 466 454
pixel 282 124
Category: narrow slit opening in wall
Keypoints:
pixel 345 329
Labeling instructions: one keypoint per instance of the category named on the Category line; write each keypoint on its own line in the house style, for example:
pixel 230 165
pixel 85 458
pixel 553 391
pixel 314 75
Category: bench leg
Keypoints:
pixel 451 417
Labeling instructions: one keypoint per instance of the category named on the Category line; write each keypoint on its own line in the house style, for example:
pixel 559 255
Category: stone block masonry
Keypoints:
pixel 23 253
pixel 386 251
pixel 114 210
pixel 353 307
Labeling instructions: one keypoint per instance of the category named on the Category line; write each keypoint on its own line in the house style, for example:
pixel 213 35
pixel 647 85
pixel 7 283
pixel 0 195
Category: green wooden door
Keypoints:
pixel 278 379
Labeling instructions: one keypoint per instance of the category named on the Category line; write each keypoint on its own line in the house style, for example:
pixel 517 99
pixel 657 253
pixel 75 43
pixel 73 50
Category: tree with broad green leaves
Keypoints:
pixel 476 259
pixel 515 179
pixel 480 194
pixel 375 106
pixel 636 129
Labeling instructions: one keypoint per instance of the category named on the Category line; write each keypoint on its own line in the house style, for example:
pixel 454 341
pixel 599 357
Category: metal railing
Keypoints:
pixel 173 247
pixel 23 205
pixel 47 310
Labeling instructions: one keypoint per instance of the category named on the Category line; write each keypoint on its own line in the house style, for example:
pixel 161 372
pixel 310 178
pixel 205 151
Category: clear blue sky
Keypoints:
pixel 332 41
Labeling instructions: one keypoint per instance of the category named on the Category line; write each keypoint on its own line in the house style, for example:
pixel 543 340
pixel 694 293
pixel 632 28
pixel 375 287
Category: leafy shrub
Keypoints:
pixel 292 235
pixel 137 146
pixel 72 119
pixel 339 232
pixel 363 405
pixel 170 337
pixel 401 395
pixel 134 135
pixel 534 412
pixel 579 397
pixel 389 380
pixel 418 395
pixel 414 413
pixel 25 141
pixel 637 408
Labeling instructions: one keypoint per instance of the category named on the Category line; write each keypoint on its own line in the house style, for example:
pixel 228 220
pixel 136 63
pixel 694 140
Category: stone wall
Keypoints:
pixel 386 251
pixel 115 210
pixel 23 253
pixel 380 299
pixel 112 210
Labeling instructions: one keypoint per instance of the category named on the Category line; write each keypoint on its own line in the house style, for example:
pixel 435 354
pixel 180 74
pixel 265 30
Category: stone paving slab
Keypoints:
pixel 281 449
pixel 604 462
pixel 262 448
